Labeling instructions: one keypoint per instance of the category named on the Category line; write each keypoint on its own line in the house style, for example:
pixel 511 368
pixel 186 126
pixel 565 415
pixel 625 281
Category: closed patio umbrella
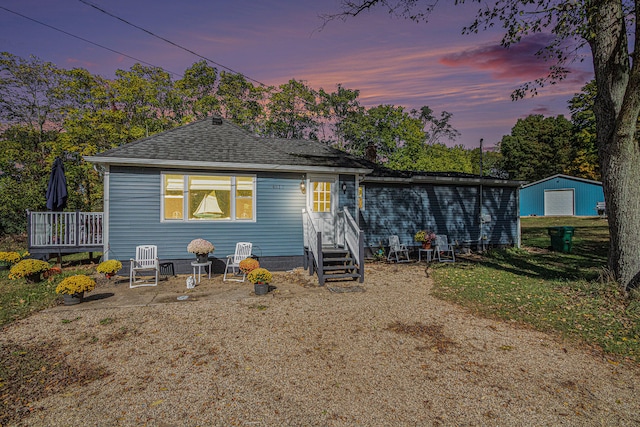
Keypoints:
pixel 57 189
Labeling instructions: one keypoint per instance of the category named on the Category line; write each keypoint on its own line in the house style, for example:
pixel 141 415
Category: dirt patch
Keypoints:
pixel 29 373
pixel 434 333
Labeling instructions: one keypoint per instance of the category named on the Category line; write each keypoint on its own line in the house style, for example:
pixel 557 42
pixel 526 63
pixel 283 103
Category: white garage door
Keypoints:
pixel 558 202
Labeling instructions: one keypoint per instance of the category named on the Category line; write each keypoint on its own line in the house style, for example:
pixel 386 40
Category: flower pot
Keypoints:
pixel 202 258
pixel 109 275
pixel 261 288
pixel 73 299
pixel 426 245
pixel 33 277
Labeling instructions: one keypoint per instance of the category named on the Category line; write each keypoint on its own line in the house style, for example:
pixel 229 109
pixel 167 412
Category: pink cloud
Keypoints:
pixel 518 62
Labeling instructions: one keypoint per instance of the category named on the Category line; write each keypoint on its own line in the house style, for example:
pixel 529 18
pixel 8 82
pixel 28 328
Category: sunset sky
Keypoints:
pixel 390 60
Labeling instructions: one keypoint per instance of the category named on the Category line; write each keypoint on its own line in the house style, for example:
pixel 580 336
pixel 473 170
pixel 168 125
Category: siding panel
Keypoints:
pixel 134 215
pixel 450 210
pixel 135 219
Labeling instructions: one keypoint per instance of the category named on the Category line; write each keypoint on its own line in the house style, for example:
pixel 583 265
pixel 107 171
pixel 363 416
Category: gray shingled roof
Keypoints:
pixel 204 142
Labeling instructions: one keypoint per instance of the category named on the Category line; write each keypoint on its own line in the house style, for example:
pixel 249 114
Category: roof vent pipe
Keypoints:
pixel 217 121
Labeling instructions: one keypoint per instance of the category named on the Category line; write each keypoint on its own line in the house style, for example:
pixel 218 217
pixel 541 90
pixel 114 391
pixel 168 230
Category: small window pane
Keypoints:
pixel 209 197
pixel 244 197
pixel 322 196
pixel 173 197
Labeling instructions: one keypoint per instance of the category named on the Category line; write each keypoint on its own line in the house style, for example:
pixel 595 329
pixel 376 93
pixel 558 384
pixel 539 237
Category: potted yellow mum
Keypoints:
pixel 260 277
pixel 7 259
pixel 73 288
pixel 109 268
pixel 30 269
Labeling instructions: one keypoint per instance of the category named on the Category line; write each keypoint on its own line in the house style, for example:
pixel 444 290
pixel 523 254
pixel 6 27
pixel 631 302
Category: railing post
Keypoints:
pixel 361 255
pixel 319 267
pixel 29 231
pixel 77 230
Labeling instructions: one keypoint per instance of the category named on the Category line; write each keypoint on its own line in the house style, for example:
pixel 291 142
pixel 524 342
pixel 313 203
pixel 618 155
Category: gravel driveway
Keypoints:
pixel 388 355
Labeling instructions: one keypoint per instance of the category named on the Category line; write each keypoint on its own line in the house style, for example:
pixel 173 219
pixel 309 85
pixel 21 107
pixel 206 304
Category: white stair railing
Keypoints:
pixel 313 246
pixel 354 241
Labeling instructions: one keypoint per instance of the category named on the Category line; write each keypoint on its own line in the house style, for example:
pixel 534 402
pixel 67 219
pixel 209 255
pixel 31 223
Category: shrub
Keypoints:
pixel 260 275
pixel 27 267
pixel 424 236
pixel 247 265
pixel 76 284
pixel 12 257
pixel 109 267
pixel 200 246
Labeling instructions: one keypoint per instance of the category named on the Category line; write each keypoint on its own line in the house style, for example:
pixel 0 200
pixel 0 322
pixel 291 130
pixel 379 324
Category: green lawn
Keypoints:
pixel 567 293
pixel 18 299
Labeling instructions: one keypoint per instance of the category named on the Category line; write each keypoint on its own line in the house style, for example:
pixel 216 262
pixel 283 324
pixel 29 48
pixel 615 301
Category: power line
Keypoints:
pixel 167 40
pixel 85 40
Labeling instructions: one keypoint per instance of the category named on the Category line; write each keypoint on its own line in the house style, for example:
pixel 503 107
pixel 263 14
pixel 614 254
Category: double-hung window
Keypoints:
pixel 198 197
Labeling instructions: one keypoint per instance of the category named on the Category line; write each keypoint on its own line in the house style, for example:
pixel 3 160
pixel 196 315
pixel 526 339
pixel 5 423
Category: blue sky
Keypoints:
pixel 390 60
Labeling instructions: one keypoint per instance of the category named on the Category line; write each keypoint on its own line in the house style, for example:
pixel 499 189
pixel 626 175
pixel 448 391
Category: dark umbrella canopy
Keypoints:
pixel 57 189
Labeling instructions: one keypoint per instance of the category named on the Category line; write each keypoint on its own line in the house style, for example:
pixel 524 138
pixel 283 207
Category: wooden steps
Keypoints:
pixel 337 264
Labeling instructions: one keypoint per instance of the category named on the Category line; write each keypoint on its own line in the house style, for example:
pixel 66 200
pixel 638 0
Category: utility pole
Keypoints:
pixel 481 139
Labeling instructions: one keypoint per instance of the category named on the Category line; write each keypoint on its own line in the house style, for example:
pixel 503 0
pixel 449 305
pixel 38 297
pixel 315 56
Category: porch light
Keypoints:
pixel 303 186
pixel 344 188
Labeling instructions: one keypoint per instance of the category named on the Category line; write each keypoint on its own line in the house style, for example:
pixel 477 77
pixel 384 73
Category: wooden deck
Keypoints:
pixel 64 232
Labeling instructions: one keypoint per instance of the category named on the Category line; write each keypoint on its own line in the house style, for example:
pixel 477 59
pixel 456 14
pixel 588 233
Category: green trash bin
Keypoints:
pixel 561 238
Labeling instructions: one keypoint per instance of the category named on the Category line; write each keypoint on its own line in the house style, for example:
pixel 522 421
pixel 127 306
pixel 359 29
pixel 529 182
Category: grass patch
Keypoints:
pixel 18 299
pixel 567 293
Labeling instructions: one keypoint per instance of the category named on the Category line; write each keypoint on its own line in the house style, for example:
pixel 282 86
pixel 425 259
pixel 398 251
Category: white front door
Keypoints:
pixel 322 202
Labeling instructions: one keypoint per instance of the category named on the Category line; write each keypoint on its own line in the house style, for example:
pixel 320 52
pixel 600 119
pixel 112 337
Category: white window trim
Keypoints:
pixel 333 180
pixel 185 198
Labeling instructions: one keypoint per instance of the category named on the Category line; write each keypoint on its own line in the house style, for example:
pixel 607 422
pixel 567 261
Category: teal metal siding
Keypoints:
pixel 134 218
pixel 450 210
pixel 587 195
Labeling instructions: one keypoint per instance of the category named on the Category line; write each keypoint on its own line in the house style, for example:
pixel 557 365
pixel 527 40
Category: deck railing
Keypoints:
pixel 65 229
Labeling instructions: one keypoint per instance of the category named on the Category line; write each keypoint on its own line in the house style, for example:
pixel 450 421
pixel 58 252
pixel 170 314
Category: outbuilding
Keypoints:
pixel 561 195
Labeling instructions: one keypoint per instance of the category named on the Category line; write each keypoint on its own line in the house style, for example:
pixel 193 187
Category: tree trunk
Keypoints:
pixel 621 181
pixel 616 108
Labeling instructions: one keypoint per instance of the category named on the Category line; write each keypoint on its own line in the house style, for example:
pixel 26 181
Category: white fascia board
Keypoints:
pixel 223 165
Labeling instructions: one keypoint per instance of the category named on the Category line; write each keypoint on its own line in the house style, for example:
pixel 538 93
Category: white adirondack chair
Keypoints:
pixel 243 251
pixel 146 261
pixel 444 250
pixel 397 250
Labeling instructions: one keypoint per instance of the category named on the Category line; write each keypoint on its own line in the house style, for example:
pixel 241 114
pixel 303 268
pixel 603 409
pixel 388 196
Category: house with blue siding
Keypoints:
pixel 561 195
pixel 299 202
pixel 473 212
